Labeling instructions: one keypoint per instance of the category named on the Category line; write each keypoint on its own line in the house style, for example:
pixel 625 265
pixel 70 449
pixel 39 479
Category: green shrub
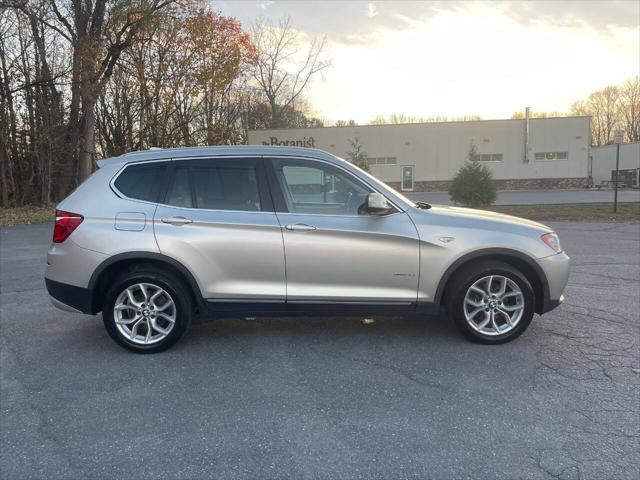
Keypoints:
pixel 473 186
pixel 358 156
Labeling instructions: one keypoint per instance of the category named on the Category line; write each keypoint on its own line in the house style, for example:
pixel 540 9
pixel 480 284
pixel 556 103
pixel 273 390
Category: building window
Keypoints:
pixel 382 161
pixel 487 157
pixel 552 156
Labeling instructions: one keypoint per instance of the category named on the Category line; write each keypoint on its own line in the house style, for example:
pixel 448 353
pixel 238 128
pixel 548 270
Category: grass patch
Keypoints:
pixel 574 212
pixel 26 215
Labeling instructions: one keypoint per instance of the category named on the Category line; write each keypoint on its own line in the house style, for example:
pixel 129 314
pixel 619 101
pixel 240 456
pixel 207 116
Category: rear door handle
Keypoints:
pixel 300 227
pixel 176 220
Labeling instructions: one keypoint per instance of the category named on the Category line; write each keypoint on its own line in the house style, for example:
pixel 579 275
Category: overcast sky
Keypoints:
pixel 459 58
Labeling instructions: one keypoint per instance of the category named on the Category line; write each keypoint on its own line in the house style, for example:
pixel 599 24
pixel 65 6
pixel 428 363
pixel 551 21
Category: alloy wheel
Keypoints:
pixel 494 305
pixel 144 313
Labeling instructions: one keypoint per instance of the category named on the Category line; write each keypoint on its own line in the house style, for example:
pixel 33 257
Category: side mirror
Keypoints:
pixel 377 204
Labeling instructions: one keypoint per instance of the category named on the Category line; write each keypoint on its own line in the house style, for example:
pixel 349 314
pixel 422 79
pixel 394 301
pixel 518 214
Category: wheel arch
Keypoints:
pixel 524 263
pixel 123 263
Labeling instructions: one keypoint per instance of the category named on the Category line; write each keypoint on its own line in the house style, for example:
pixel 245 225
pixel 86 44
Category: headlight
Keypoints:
pixel 552 241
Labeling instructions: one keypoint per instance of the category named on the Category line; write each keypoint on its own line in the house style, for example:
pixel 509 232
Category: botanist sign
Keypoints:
pixel 305 142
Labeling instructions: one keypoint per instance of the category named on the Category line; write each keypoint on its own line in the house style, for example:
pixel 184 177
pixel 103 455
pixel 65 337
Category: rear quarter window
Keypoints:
pixel 141 182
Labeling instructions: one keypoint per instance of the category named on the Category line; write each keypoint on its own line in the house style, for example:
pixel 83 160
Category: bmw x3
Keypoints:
pixel 153 238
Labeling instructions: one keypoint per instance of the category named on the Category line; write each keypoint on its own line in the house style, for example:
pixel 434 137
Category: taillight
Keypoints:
pixel 66 223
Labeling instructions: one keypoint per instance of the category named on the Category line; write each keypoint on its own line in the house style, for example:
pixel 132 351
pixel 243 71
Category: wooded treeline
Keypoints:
pixel 85 79
pixel 615 107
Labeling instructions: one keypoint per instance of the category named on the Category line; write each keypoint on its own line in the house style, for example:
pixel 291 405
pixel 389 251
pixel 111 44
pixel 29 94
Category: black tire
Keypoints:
pixel 173 286
pixel 460 283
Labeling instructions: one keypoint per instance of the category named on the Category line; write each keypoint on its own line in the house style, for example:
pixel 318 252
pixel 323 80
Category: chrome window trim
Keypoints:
pixel 336 215
pixel 179 159
pixel 262 157
pixel 340 167
pixel 171 160
pixel 112 183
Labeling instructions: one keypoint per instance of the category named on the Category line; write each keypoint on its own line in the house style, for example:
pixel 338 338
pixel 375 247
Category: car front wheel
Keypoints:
pixel 147 312
pixel 491 302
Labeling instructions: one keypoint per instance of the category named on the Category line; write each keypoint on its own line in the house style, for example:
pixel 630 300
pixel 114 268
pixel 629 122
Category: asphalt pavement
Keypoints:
pixel 538 197
pixel 327 398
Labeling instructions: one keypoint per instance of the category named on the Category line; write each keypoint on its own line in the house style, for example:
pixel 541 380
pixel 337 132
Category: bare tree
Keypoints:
pixel 80 79
pixel 283 68
pixel 535 114
pixel 630 108
pixel 345 123
pixel 604 108
pixel 401 118
pixel 97 33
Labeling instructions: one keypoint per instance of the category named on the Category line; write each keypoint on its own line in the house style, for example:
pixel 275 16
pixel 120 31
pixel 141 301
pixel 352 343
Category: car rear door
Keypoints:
pixel 334 254
pixel 217 219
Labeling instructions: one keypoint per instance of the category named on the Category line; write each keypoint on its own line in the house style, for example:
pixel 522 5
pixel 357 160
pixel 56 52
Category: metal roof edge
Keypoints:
pixel 236 150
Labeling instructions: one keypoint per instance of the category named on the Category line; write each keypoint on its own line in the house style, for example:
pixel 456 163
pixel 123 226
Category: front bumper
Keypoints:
pixel 69 297
pixel 556 270
pixel 549 304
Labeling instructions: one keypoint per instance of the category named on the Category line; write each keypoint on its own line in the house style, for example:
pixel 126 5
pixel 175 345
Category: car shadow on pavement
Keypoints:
pixel 431 329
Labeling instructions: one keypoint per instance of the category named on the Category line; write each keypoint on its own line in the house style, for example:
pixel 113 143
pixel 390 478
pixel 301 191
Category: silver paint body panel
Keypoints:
pixel 238 256
pixel 233 255
pixel 363 258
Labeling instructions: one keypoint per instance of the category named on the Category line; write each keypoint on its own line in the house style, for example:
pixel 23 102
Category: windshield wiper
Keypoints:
pixel 422 205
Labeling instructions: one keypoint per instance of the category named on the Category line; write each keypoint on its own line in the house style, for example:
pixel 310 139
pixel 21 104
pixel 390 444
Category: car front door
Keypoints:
pixel 217 219
pixel 336 252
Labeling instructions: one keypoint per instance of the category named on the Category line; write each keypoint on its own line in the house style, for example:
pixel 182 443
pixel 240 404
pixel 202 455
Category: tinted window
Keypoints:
pixel 179 194
pixel 142 182
pixel 226 187
pixel 319 189
pixel 215 187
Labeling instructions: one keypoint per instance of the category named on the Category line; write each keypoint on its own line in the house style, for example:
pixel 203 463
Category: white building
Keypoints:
pixel 603 164
pixel 534 154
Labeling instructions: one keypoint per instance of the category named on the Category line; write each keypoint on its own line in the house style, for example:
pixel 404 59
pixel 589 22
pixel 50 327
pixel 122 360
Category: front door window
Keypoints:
pixel 319 189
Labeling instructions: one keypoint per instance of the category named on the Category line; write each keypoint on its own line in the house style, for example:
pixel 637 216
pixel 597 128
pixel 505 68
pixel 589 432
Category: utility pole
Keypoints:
pixel 619 135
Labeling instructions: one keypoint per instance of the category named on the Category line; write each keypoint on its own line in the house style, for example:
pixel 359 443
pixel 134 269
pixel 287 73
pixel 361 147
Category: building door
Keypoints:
pixel 407 178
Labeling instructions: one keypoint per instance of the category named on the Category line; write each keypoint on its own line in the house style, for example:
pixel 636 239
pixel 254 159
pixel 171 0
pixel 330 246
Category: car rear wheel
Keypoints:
pixel 491 302
pixel 147 312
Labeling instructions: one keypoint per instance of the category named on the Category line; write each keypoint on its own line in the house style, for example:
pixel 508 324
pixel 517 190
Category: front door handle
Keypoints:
pixel 177 220
pixel 300 227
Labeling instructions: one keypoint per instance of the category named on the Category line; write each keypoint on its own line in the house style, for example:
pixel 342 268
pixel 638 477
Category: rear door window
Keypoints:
pixel 142 182
pixel 215 185
pixel 179 193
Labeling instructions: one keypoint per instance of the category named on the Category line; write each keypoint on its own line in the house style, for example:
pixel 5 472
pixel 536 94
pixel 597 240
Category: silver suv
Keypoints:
pixel 154 237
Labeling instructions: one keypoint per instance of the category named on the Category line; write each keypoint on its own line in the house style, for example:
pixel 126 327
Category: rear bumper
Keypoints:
pixel 69 297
